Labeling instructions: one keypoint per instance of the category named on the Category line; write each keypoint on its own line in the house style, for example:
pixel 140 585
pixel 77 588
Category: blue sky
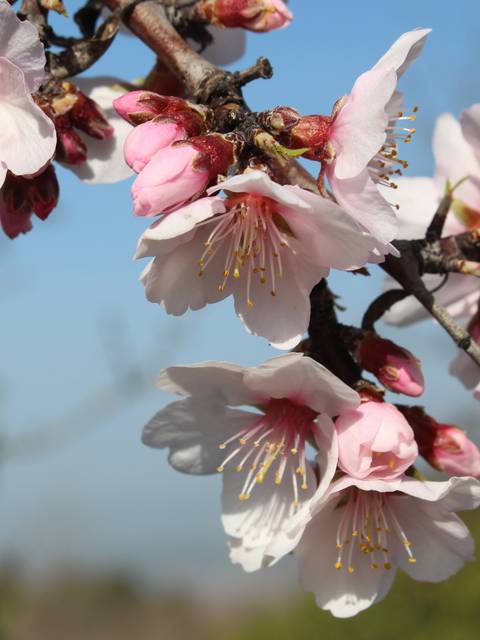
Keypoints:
pixel 78 488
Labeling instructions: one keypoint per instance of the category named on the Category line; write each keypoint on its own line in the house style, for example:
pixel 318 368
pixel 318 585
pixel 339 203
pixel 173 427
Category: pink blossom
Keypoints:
pixel 145 140
pixel 260 451
pixel 375 441
pixel 363 530
pixel 265 244
pixel 395 367
pixel 366 127
pixel 27 137
pixel 463 367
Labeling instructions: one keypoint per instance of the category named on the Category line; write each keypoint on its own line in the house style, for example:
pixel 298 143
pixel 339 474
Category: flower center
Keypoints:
pixel 275 439
pixel 366 525
pixel 387 163
pixel 251 236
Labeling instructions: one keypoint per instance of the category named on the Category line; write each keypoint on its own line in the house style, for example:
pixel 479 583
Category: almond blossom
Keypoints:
pixel 27 137
pixel 261 452
pixel 375 519
pixel 366 127
pixel 456 156
pixel 265 244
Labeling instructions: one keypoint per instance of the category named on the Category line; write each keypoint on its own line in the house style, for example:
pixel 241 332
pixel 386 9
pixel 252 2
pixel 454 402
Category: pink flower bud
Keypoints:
pixel 180 173
pixel 148 138
pixel 395 367
pixel 375 441
pixel 254 15
pixel 71 149
pixel 445 446
pixel 87 116
pixel 141 106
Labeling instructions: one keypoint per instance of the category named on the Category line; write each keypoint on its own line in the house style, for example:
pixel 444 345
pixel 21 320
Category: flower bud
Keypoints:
pixel 395 367
pixel 21 196
pixel 43 191
pixel 180 173
pixel 148 138
pixel 254 15
pixel 71 149
pixel 375 441
pixel 141 106
pixel 445 446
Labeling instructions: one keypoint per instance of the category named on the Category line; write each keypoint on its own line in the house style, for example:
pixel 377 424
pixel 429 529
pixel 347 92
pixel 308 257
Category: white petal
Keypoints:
pixel 440 543
pixel 418 199
pixel 19 43
pixel 359 129
pixel 257 182
pixel 105 161
pixel 456 494
pixel 173 279
pixel 256 522
pixel 223 379
pixel 404 51
pixel 27 136
pixel 3 172
pixel 361 198
pixel 343 594
pixel 328 235
pixel 302 379
pixel 193 429
pixel 228 45
pixel 470 122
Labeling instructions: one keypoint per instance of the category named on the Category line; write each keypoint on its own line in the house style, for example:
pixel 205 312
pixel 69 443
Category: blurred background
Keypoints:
pixel 99 538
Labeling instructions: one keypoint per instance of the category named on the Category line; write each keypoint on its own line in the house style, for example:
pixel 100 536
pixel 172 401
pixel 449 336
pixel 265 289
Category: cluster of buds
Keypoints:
pixel 72 110
pixel 254 15
pixel 445 446
pixel 395 367
pixel 22 196
pixel 171 150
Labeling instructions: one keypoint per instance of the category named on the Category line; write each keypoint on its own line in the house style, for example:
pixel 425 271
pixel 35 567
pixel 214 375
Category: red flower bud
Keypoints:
pixel 445 446
pixel 71 149
pixel 21 196
pixel 395 367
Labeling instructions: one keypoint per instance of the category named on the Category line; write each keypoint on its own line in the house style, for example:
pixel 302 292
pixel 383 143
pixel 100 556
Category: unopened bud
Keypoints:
pixel 71 149
pixel 145 140
pixel 141 106
pixel 395 367
pixel 254 15
pixel 181 172
pixel 43 192
pixel 279 120
pixel 445 446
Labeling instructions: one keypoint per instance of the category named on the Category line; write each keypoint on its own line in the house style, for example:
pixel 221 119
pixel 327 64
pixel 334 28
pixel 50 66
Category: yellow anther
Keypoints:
pixel 236 273
pixel 412 560
pixel 220 469
pixel 350 569
pixel 338 565
pixel 250 303
pixel 239 467
pixel 387 566
pixel 374 565
pixel 222 446
pixel 244 496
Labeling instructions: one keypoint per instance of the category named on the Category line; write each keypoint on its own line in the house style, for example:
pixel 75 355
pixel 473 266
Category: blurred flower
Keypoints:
pixel 363 530
pixel 463 367
pixel 395 367
pixel 21 197
pixel 265 244
pixel 261 454
pixel 27 137
pixel 375 441
pixel 455 150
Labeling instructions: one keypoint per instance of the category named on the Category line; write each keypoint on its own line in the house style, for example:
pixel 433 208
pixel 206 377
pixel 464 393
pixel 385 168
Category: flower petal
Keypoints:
pixel 223 379
pixel 193 429
pixel 404 51
pixel 470 123
pixel 304 381
pixel 27 136
pixel 19 43
pixel 342 593
pixel 359 129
